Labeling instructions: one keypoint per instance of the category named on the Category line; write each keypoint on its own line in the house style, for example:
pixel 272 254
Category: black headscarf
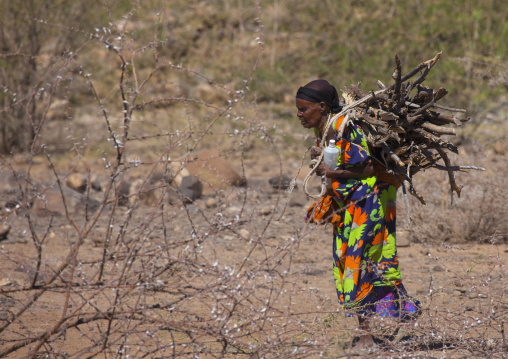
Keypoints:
pixel 320 91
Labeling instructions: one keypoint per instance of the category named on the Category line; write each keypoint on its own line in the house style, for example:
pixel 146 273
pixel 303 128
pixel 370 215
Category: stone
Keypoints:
pixel 4 282
pixel 124 189
pixel 280 182
pixel 298 199
pixel 9 181
pixel 4 231
pixel 160 178
pixel 313 272
pixel 10 184
pixel 191 188
pixel 403 242
pixel 438 269
pixel 174 197
pixel 77 182
pixel 244 233
pixel 144 193
pixel 211 202
pixel 266 210
pixel 177 174
pixel 233 210
pixel 403 236
pixel 96 184
pixel 213 170
pixel 50 202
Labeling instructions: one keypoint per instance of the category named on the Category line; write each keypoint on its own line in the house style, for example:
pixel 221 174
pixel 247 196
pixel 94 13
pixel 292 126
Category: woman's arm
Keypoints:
pixel 352 172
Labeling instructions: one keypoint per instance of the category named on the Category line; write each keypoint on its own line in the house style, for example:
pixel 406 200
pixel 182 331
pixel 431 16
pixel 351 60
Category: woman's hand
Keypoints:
pixel 315 152
pixel 322 169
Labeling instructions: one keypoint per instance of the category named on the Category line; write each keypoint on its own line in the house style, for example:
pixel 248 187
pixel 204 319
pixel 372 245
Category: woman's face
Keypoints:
pixel 309 113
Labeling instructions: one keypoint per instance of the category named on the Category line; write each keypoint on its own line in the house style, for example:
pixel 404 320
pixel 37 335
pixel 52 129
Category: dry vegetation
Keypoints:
pixel 129 95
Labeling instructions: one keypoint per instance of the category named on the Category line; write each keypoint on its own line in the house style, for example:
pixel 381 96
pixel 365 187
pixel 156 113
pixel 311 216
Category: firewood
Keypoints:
pixel 405 123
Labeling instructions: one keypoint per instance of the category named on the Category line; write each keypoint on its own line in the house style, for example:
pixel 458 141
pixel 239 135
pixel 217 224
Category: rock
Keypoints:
pixel 160 178
pixel 77 182
pixel 313 272
pixel 298 199
pixel 10 184
pixel 96 184
pixel 280 182
pixel 174 197
pixel 4 231
pixel 191 188
pixel 144 193
pixel 403 236
pixel 177 174
pixel 4 282
pixel 438 269
pixel 213 170
pixel 266 210
pixel 402 241
pixel 233 210
pixel 211 202
pixel 244 233
pixel 192 209
pixel 51 202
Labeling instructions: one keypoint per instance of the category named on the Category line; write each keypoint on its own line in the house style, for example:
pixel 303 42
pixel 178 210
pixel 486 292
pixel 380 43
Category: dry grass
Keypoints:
pixel 108 277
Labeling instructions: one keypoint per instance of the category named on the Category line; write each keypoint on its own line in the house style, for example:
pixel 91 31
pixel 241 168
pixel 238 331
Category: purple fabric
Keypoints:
pixel 390 301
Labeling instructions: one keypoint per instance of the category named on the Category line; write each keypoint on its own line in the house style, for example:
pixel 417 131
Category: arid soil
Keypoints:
pixel 257 230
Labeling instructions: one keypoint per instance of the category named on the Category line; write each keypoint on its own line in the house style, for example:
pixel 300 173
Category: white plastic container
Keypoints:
pixel 331 153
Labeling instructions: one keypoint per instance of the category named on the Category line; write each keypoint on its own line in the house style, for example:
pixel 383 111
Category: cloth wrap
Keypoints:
pixel 320 91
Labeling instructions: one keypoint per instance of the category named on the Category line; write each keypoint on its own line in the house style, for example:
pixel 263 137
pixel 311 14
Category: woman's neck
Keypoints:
pixel 321 127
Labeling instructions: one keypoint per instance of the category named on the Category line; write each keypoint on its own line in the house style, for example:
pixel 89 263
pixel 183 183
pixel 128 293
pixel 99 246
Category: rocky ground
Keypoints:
pixel 251 228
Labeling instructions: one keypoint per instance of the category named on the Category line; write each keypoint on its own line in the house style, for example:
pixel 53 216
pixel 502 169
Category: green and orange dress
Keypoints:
pixel 365 263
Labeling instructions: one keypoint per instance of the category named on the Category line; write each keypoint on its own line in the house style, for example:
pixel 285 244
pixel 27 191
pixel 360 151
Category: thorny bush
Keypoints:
pixel 129 267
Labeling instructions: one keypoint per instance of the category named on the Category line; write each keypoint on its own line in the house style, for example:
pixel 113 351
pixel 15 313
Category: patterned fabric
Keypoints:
pixel 324 210
pixel 391 302
pixel 365 263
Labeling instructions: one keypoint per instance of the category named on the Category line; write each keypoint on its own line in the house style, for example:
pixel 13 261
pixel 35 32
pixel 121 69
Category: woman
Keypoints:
pixel 365 263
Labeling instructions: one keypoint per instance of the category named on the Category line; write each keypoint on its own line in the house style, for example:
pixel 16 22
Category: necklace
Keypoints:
pixel 327 126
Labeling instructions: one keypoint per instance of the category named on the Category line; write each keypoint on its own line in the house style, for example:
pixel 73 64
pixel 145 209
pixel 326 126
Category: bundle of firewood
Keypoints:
pixel 405 123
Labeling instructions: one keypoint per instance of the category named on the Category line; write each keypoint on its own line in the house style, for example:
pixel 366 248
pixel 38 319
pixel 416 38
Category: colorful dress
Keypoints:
pixel 365 263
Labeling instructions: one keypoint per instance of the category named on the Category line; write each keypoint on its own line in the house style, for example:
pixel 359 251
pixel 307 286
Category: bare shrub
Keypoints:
pixel 477 216
pixel 130 267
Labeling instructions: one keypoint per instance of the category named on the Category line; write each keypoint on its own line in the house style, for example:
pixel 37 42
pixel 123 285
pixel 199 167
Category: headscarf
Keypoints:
pixel 320 91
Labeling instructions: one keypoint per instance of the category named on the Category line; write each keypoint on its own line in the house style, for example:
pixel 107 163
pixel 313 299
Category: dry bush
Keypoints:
pixel 117 272
pixel 478 216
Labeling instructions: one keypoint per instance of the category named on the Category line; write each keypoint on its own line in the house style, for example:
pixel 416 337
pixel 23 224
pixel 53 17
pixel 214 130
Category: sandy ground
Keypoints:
pixel 259 236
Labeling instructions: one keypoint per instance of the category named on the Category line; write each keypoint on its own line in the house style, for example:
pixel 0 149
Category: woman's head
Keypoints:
pixel 315 101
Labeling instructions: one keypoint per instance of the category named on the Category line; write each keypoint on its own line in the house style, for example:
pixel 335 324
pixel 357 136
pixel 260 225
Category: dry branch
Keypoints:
pixel 405 129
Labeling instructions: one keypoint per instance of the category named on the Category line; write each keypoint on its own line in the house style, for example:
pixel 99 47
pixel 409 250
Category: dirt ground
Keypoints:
pixel 257 234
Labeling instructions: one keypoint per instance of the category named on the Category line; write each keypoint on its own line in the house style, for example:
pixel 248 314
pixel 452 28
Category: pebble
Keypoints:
pixel 211 202
pixel 266 210
pixel 244 233
pixel 280 182
pixel 403 242
pixel 4 231
pixel 233 210
pixel 298 199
